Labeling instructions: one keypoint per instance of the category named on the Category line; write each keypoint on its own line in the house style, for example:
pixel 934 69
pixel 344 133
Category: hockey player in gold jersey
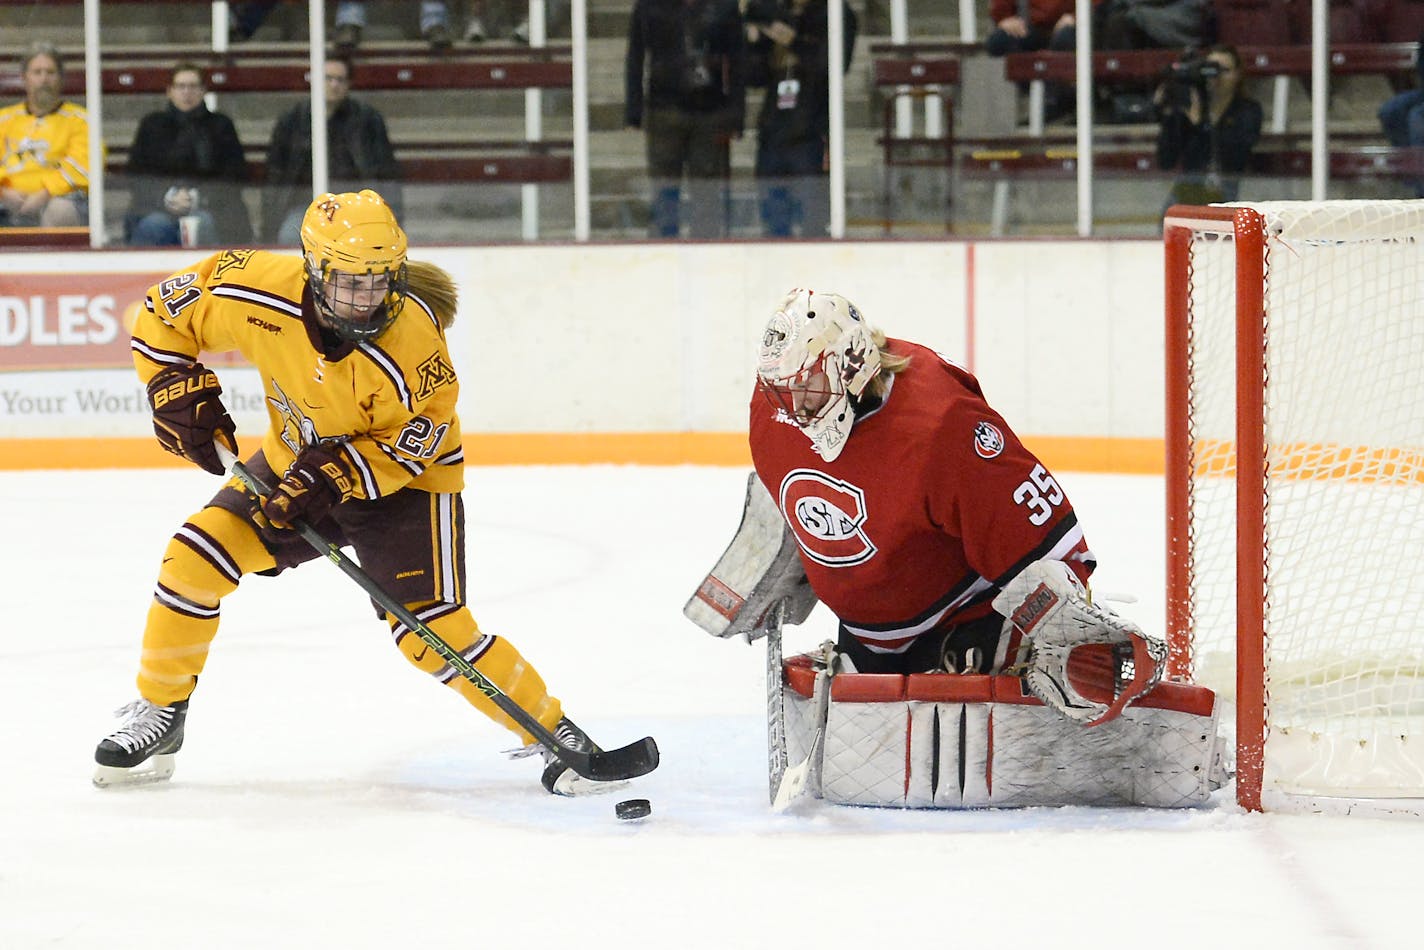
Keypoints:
pixel 349 340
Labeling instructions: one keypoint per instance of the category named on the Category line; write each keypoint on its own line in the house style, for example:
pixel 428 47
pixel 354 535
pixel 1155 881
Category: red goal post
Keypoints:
pixel 1295 492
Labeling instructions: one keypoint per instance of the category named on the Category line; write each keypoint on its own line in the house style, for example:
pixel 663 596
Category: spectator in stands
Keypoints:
pixel 186 160
pixel 359 155
pixel 1402 116
pixel 1151 24
pixel 695 56
pixel 44 170
pixel 1027 26
pixel 481 24
pixel 788 56
pixel 350 22
pixel 1209 126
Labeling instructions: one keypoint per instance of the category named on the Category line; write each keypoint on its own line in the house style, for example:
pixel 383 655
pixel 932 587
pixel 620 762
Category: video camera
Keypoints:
pixel 1182 77
pixel 1194 70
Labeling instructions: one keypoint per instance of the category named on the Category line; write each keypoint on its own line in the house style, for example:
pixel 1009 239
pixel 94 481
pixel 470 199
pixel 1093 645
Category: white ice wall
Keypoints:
pixel 1066 335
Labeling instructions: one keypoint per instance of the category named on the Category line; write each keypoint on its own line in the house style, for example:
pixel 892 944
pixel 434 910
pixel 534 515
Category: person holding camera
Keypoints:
pixel 1209 126
pixel 695 56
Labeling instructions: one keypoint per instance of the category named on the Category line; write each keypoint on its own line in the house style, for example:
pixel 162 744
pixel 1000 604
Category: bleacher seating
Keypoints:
pixel 468 160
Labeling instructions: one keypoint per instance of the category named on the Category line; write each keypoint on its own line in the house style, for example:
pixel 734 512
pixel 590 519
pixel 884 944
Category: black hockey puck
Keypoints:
pixel 633 809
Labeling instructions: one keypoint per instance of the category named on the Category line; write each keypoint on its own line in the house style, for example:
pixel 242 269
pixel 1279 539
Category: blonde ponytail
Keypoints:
pixel 437 288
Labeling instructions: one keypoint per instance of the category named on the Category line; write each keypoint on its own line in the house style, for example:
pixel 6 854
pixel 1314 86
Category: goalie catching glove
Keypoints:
pixel 1117 662
pixel 316 481
pixel 189 416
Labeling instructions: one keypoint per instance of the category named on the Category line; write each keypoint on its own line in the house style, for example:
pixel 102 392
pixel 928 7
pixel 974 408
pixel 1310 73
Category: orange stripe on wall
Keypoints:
pixel 1126 456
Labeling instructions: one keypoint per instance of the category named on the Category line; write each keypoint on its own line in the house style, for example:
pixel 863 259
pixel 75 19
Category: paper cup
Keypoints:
pixel 188 226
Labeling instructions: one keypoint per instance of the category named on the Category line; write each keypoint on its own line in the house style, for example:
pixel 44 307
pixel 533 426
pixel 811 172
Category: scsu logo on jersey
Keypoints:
pixel 827 516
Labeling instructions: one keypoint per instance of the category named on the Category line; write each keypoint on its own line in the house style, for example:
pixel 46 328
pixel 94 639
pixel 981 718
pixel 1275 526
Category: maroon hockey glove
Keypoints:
pixel 188 415
pixel 317 481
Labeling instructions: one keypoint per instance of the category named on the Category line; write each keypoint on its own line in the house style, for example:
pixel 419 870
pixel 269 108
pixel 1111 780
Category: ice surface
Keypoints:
pixel 331 796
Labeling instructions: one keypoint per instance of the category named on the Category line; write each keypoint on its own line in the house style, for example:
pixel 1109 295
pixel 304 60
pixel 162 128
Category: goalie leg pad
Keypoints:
pixel 946 741
pixel 1048 604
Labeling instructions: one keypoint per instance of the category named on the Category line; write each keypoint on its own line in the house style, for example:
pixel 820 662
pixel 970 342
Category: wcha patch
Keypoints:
pixel 988 440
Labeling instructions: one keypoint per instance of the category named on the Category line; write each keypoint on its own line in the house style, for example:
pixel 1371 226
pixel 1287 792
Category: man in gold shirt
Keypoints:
pixel 44 170
pixel 349 341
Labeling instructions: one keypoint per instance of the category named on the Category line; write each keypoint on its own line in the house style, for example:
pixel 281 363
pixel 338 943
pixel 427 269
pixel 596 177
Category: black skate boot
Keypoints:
pixel 559 779
pixel 143 749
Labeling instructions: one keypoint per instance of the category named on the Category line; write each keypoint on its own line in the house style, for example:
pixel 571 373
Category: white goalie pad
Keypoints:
pixel 970 741
pixel 760 569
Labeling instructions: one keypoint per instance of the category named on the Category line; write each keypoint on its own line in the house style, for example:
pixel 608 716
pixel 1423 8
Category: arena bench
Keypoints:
pixel 917 72
pixel 1005 161
pixel 287 75
pixel 480 161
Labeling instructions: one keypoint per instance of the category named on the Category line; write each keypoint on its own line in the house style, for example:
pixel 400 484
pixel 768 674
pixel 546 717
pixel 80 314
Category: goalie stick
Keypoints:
pixel 786 782
pixel 630 761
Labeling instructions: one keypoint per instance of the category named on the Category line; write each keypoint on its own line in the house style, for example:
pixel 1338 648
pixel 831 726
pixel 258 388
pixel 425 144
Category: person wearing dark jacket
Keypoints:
pixel 694 104
pixel 359 155
pixel 1209 127
pixel 789 55
pixel 187 161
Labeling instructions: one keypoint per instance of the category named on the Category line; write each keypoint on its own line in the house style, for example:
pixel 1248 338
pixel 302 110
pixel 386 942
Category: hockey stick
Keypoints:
pixel 637 758
pixel 776 754
pixel 786 782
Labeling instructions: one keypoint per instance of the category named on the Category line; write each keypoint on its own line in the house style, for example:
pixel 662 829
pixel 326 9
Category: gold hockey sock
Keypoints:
pixel 202 564
pixel 494 657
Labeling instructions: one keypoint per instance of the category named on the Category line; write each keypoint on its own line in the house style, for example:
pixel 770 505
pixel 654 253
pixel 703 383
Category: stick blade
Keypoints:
pixel 630 761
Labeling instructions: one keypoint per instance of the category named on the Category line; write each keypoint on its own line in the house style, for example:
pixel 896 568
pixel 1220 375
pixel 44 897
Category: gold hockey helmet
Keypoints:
pixel 355 260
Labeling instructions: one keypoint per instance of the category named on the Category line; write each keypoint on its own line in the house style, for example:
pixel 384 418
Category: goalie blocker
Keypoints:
pixel 944 740
pixel 760 569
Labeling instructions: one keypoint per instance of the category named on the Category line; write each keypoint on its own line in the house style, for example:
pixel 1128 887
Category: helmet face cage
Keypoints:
pixel 817 353
pixel 806 395
pixel 343 299
pixel 355 262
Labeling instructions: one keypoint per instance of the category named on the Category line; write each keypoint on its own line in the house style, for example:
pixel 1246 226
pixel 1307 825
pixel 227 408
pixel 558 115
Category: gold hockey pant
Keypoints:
pixel 214 549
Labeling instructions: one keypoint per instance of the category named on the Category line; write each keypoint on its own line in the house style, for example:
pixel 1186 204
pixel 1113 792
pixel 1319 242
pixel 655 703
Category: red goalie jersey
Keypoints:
pixel 930 508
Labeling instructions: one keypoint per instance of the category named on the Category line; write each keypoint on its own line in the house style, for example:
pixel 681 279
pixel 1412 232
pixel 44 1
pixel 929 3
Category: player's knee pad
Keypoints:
pixel 206 558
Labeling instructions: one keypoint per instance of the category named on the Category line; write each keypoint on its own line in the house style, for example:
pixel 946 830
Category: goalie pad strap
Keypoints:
pixel 971 688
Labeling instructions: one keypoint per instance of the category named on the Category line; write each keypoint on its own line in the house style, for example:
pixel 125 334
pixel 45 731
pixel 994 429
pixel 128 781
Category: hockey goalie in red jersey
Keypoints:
pixel 940 543
pixel 349 341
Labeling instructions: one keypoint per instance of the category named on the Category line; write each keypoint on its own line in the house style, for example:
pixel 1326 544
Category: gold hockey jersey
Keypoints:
pixel 392 402
pixel 49 151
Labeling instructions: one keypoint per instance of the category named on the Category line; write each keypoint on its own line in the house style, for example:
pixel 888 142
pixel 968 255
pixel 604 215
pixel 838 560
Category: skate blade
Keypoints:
pixel 157 768
pixel 573 785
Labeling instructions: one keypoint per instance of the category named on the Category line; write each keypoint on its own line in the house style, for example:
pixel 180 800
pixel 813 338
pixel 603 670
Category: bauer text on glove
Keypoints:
pixel 317 481
pixel 189 416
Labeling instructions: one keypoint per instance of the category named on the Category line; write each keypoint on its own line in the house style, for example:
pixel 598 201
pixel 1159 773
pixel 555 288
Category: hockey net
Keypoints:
pixel 1295 477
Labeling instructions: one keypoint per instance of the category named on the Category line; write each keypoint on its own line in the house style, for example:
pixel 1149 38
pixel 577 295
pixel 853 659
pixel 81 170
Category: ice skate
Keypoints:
pixel 143 749
pixel 559 779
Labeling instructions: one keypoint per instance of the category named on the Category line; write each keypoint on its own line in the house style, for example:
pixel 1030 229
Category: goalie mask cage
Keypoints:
pixel 1295 492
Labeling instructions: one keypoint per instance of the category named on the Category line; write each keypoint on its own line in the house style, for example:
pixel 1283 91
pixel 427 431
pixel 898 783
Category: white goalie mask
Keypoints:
pixel 816 355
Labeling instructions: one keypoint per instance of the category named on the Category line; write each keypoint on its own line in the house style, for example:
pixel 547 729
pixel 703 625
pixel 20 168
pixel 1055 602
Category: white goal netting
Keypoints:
pixel 1343 507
